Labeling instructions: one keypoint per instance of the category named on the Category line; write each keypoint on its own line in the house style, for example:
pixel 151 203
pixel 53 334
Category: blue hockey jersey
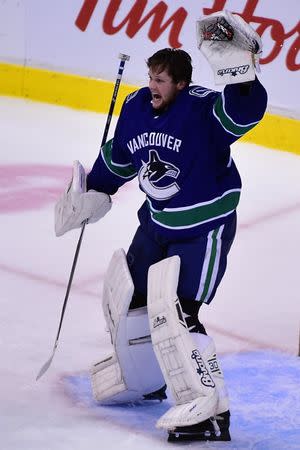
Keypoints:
pixel 181 157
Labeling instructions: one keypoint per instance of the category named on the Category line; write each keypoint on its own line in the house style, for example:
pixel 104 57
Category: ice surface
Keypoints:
pixel 254 318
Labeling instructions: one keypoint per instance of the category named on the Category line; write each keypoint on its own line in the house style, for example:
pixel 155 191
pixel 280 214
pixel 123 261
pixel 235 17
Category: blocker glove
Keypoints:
pixel 230 45
pixel 76 205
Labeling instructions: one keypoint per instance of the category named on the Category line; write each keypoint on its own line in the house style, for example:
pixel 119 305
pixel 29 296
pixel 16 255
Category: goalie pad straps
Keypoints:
pixel 132 371
pixel 231 47
pixel 183 367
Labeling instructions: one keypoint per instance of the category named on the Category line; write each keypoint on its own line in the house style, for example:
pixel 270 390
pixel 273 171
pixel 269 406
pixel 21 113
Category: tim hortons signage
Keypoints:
pixel 158 20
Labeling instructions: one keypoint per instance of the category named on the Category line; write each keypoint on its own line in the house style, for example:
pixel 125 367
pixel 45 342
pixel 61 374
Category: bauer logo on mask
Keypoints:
pixel 154 177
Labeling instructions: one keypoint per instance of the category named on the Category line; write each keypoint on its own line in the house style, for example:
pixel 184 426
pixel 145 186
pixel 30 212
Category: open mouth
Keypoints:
pixel 156 100
pixel 156 97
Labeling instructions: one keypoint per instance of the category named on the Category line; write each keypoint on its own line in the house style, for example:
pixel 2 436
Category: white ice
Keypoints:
pixel 254 317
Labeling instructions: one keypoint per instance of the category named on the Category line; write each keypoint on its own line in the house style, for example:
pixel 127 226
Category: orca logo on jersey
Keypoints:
pixel 154 171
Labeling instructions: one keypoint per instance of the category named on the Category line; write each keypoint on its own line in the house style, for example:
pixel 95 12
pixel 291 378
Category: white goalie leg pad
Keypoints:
pixel 180 360
pixel 207 348
pixel 132 370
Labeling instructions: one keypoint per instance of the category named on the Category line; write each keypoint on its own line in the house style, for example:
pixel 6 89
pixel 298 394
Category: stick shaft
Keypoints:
pixel 114 98
pixel 123 58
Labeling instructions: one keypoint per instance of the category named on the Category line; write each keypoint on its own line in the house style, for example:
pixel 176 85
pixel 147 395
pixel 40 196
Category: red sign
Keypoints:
pixel 136 18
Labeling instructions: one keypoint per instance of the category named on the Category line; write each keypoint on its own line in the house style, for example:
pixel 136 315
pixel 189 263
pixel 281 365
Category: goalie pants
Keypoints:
pixel 203 263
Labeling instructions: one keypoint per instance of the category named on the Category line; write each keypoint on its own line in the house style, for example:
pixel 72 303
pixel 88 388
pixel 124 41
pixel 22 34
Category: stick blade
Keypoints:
pixel 45 367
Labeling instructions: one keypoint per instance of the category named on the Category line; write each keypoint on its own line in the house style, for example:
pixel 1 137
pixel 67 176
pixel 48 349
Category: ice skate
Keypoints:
pixel 213 429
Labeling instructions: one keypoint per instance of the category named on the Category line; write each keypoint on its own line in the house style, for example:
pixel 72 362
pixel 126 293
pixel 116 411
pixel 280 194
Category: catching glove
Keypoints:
pixel 231 47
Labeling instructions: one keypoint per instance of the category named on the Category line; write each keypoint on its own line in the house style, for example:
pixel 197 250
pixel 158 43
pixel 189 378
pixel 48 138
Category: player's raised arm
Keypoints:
pixel 232 48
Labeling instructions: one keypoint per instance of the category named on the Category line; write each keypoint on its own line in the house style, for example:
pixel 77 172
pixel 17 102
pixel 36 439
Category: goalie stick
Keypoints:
pixel 123 59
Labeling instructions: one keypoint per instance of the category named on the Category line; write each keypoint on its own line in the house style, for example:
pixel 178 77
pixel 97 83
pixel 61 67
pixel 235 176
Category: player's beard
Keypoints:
pixel 160 103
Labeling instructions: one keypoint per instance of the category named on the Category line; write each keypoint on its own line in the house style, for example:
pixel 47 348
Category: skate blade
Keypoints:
pixel 206 436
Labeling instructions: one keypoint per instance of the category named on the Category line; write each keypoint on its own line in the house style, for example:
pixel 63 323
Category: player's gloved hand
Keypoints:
pixel 76 205
pixel 231 47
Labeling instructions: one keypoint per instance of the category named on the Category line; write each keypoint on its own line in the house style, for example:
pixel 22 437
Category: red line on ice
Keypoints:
pixel 42 279
pixel 22 189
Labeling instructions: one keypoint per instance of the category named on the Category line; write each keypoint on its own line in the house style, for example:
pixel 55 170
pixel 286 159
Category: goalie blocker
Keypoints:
pixel 76 206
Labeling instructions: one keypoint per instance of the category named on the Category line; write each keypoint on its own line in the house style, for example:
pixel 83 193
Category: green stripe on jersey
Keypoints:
pixel 227 122
pixel 211 265
pixel 194 215
pixel 210 271
pixel 121 170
